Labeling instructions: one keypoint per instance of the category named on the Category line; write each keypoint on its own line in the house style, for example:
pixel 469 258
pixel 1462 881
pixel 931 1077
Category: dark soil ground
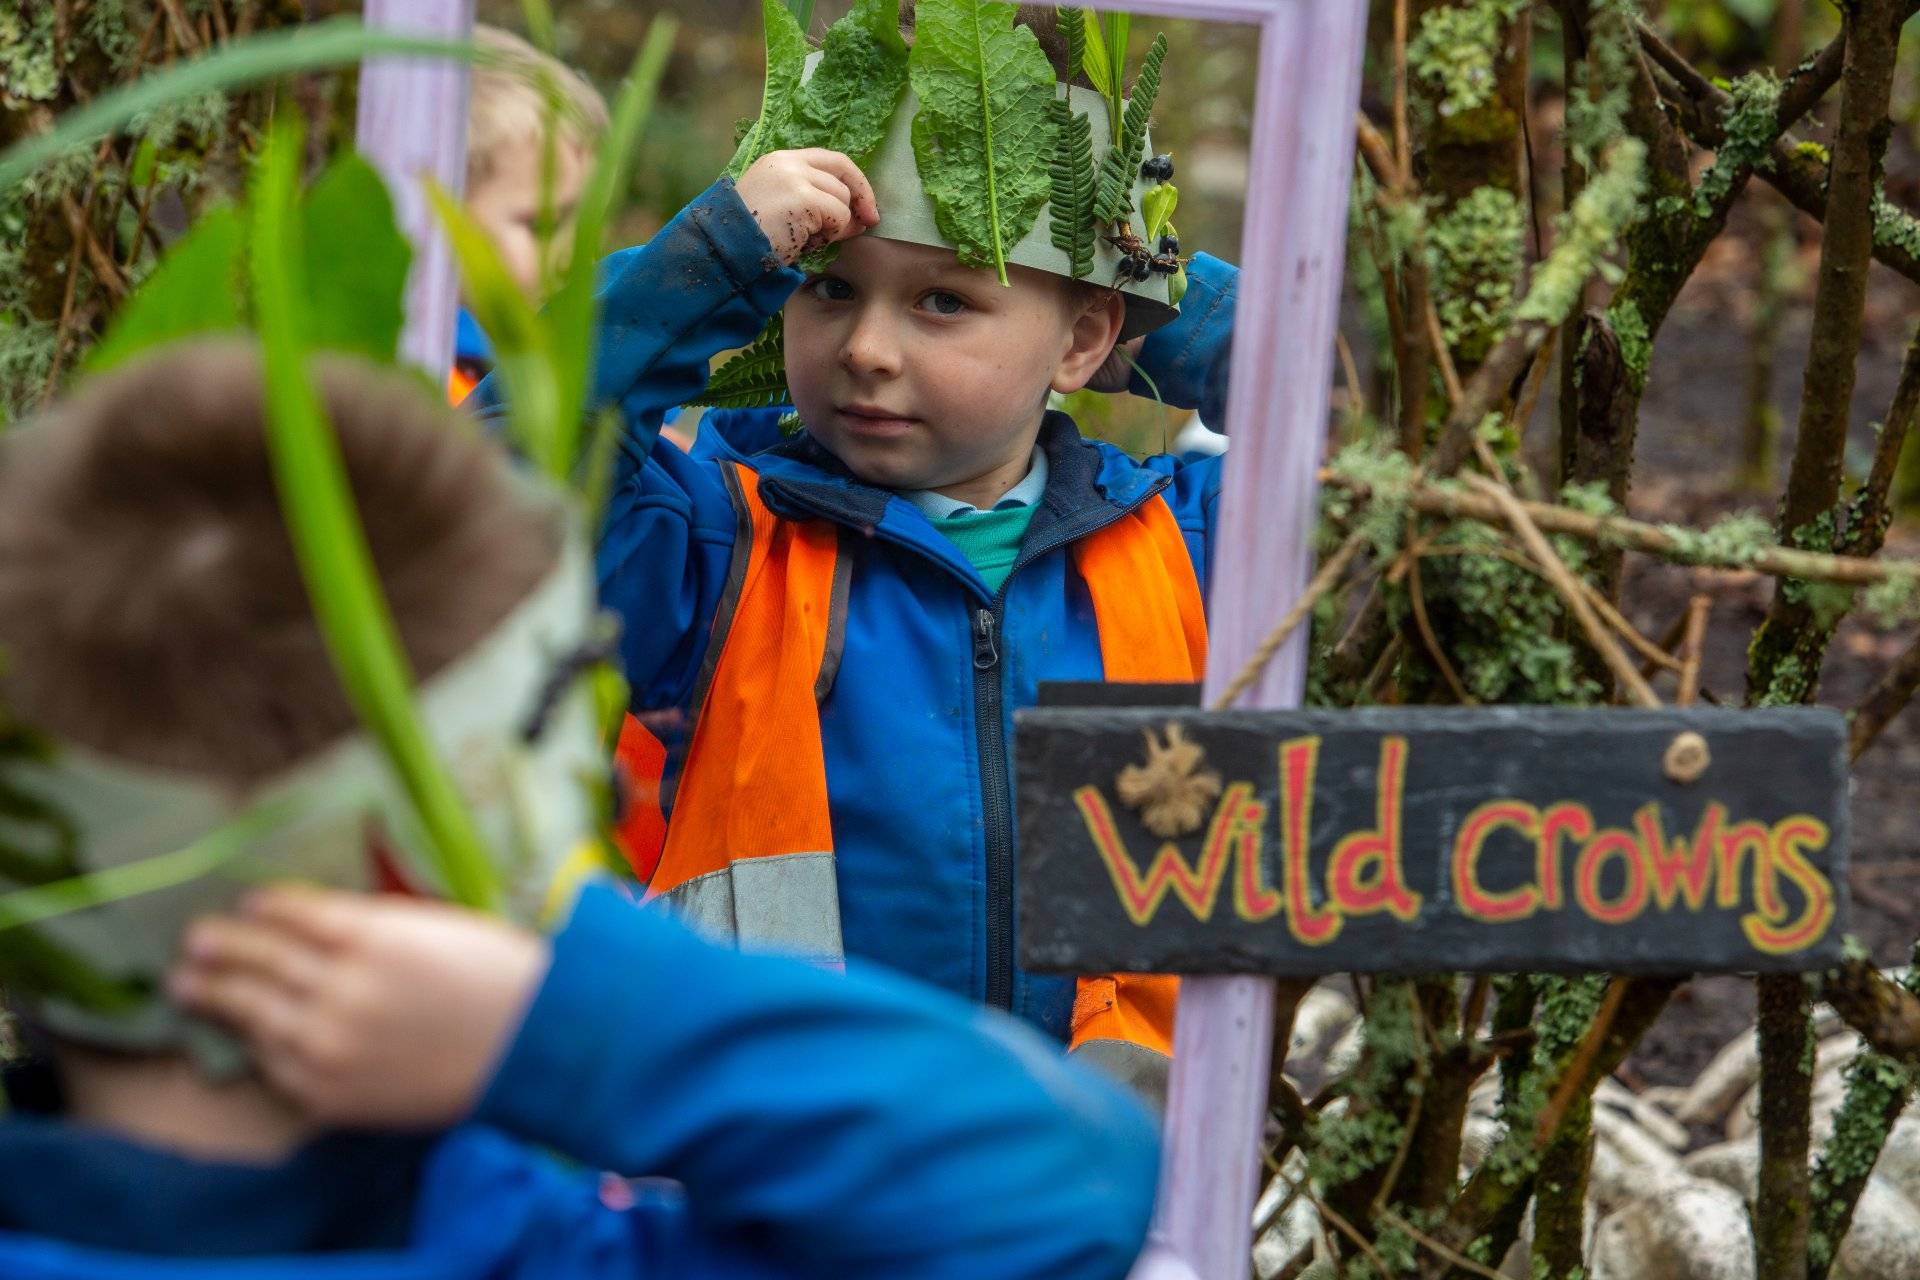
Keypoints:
pixel 1687 460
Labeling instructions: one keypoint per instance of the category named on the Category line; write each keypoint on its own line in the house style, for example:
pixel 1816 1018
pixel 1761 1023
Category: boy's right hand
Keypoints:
pixel 807 200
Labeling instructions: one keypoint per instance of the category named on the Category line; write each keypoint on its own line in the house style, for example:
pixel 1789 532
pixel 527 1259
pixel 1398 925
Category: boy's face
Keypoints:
pixel 920 373
pixel 507 204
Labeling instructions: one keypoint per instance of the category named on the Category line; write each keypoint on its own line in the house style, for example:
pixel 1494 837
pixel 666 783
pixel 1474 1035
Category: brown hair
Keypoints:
pixel 150 604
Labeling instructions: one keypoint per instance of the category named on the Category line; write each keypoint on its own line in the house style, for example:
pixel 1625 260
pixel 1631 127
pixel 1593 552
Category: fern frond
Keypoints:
pixel 754 379
pixel 1113 193
pixel 1073 23
pixel 1146 88
pixel 1072 174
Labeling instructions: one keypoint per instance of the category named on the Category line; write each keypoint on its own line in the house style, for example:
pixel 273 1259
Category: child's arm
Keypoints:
pixel 707 282
pixel 1187 360
pixel 850 1125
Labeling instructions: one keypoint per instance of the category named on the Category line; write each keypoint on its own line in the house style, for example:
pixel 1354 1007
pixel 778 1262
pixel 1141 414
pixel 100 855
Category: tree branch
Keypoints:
pixel 1664 541
pixel 1888 697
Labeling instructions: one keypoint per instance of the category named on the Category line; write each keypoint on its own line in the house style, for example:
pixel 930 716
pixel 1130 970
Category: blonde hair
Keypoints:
pixel 508 105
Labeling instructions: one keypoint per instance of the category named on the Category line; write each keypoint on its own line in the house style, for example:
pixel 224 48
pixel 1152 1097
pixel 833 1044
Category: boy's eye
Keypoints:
pixel 942 303
pixel 830 289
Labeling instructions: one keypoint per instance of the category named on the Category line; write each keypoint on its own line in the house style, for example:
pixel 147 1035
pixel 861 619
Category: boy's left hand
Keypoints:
pixel 370 1012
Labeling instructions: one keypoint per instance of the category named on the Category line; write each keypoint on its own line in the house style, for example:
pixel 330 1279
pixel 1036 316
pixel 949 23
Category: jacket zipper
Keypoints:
pixel 996 785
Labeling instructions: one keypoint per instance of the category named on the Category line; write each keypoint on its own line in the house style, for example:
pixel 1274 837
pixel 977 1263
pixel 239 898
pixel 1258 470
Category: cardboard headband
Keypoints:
pixel 975 143
pixel 1124 253
pixel 513 718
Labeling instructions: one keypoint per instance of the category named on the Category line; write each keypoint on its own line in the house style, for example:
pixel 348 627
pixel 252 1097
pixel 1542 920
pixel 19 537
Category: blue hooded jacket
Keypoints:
pixel 812 1124
pixel 918 723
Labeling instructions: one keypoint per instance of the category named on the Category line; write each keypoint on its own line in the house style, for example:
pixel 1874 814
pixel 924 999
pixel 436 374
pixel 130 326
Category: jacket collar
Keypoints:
pixel 800 479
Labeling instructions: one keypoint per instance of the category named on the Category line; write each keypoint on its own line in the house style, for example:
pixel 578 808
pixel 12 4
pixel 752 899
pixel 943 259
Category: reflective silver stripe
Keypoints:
pixel 789 902
pixel 1134 1065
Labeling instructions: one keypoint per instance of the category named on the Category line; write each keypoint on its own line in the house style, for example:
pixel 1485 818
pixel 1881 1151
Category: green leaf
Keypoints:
pixel 1071 201
pixel 786 56
pixel 1095 63
pixel 1146 89
pixel 196 289
pixel 311 47
pixel 330 543
pixel 1157 208
pixel 1113 199
pixel 141 171
pixel 754 379
pixel 1119 32
pixel 848 102
pixel 521 337
pixel 983 136
pixel 356 262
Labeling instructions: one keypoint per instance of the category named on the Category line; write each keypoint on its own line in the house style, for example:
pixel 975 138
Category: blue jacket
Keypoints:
pixel 813 1124
pixel 918 723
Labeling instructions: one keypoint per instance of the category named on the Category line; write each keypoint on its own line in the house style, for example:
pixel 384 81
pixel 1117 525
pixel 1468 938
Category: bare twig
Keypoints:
pixel 1330 1214
pixel 1402 135
pixel 1886 1015
pixel 1569 588
pixel 1427 1242
pixel 1581 1063
pixel 1888 697
pixel 1695 636
pixel 1263 653
pixel 1449 376
pixel 1418 597
pixel 1647 649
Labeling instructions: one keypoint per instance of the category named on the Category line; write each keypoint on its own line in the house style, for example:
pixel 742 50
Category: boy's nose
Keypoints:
pixel 871 349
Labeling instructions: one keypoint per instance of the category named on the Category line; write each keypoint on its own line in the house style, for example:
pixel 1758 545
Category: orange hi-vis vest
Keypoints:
pixel 749 848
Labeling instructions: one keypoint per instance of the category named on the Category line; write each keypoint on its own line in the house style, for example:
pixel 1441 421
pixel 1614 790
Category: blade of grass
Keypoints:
pixel 572 310
pixel 522 339
pixel 331 544
pixel 149 875
pixel 314 47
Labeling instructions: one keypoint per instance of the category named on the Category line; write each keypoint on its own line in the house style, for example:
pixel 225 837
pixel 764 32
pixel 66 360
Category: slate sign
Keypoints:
pixel 1431 839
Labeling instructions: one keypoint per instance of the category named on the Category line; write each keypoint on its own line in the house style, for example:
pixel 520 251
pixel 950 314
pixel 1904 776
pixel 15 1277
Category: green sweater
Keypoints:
pixel 990 540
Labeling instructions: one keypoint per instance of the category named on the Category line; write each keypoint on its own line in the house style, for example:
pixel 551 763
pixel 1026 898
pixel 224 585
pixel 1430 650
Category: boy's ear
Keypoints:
pixel 1098 315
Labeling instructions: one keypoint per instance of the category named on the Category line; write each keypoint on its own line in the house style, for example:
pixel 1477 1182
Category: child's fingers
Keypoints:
pixel 268 953
pixel 859 192
pixel 260 1010
pixel 324 917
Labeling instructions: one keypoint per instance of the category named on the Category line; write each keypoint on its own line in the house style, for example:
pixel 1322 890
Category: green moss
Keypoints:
pixel 1815 152
pixel 1896 600
pixel 1729 543
pixel 1894 227
pixel 1750 122
pixel 1636 343
pixel 28 69
pixel 1598 99
pixel 1456 48
pixel 1605 208
pixel 1476 251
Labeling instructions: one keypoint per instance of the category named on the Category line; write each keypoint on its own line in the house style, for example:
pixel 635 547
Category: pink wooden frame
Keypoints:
pixel 412 126
pixel 413 122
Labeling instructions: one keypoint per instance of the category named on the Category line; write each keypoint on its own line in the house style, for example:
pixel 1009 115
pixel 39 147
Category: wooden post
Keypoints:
pixel 412 126
pixel 1293 249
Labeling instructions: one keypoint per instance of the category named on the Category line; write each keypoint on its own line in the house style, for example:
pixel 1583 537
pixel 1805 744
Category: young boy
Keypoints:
pixel 508 118
pixel 845 621
pixel 411 1057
